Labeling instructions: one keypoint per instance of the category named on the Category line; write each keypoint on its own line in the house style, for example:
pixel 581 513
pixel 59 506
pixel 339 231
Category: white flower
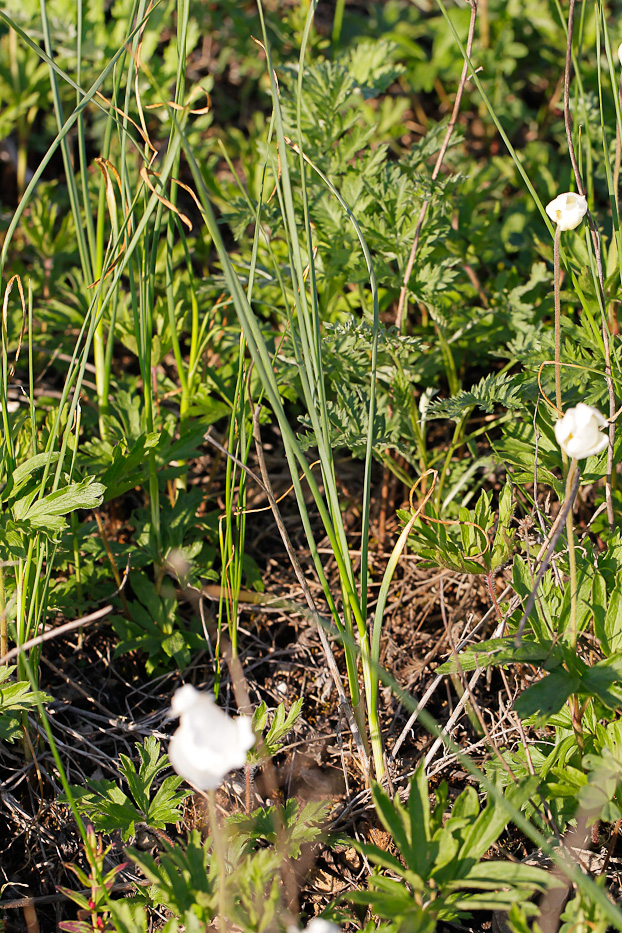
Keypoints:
pixel 319 925
pixel 567 210
pixel 620 53
pixel 208 743
pixel 578 432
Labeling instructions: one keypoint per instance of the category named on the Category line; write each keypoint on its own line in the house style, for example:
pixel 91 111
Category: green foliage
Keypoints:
pixel 94 910
pixel 548 641
pixel 188 880
pixel 48 513
pixel 110 808
pixel 16 698
pixel 582 915
pixel 288 828
pixel 491 391
pixel 184 878
pixel 600 796
pixel 440 872
pixel 154 627
pixel 474 552
pixel 132 351
pixel 280 726
pixel 25 511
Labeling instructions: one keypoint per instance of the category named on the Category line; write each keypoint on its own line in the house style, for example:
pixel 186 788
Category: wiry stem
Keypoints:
pixel 599 267
pixel 572 561
pixel 4 631
pixel 401 305
pixel 219 852
pixel 554 534
pixel 557 325
pixel 567 119
pixel 616 165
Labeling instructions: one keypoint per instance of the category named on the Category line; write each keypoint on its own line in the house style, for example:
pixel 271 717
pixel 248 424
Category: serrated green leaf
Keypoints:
pixel 109 807
pixel 48 511
pixel 548 695
pixel 22 473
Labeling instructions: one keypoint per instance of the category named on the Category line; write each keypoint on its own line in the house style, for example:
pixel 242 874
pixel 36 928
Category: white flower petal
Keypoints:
pixel 578 432
pixel 208 743
pixel 184 699
pixel 567 210
pixel 319 925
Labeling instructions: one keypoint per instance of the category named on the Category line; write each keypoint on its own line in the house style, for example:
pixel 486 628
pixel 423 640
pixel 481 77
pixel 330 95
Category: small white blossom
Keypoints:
pixel 578 432
pixel 317 925
pixel 11 406
pixel 620 53
pixel 208 743
pixel 567 210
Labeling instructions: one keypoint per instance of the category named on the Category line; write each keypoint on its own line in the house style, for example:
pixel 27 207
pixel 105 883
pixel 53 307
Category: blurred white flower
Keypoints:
pixel 620 53
pixel 208 743
pixel 319 925
pixel 567 210
pixel 11 406
pixel 578 432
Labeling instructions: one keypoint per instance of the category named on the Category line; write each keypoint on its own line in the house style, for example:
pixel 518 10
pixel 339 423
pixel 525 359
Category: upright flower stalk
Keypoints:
pixel 595 236
pixel 616 163
pixel 566 211
pixel 557 324
pixel 579 435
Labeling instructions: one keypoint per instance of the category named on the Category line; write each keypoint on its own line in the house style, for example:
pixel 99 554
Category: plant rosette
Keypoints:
pixel 578 432
pixel 208 743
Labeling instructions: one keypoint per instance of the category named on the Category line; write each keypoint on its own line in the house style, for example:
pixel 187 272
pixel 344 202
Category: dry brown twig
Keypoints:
pixel 55 632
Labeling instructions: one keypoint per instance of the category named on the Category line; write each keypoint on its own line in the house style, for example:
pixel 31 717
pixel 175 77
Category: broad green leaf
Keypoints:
pixel 493 819
pixel 548 695
pixel 15 698
pixel 47 512
pixel 151 763
pixel 280 727
pixel 421 851
pixel 23 472
pixel 391 814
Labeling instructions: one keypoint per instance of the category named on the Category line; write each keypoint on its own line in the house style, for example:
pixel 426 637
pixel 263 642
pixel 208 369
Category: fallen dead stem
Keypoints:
pixel 56 631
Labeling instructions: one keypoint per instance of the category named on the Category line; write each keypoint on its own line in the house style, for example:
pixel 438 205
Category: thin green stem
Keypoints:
pixel 338 21
pixel 219 853
pixel 556 286
pixel 4 633
pixel 574 703
pixel 572 561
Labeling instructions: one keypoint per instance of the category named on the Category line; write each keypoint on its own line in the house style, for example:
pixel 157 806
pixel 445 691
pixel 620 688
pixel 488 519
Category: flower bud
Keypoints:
pixel 567 210
pixel 208 743
pixel 578 432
